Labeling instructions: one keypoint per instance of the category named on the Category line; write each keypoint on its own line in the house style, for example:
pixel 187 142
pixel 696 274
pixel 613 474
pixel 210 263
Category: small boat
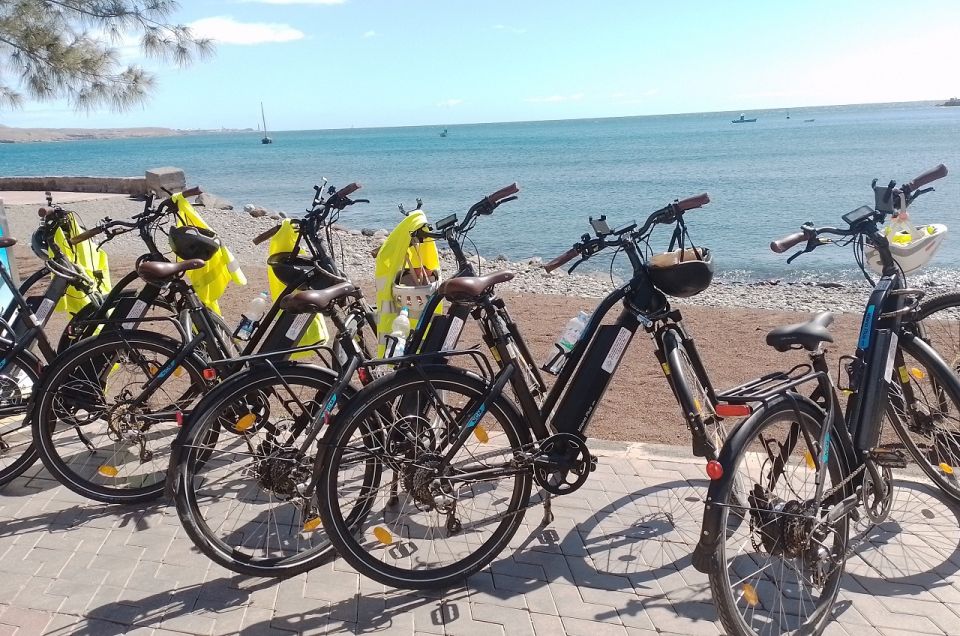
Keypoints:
pixel 444 133
pixel 788 114
pixel 266 139
pixel 809 121
pixel 743 120
pixel 953 101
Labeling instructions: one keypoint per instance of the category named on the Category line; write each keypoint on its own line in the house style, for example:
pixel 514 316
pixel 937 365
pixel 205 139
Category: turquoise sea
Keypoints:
pixel 764 178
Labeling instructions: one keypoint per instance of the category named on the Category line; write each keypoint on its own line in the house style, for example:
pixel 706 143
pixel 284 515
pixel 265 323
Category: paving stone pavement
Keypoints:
pixel 615 561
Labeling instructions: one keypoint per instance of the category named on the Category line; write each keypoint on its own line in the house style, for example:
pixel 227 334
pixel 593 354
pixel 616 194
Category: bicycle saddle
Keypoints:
pixel 469 287
pixel 311 301
pixel 159 272
pixel 807 335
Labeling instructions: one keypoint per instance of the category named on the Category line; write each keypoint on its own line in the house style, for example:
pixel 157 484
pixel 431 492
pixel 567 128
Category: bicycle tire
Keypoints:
pixel 16 440
pixel 85 364
pixel 692 397
pixel 373 400
pixel 731 604
pixel 195 490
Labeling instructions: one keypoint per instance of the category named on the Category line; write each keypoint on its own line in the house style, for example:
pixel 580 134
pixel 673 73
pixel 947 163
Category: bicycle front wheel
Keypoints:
pixel 99 430
pixel 17 452
pixel 241 471
pixel 432 519
pixel 778 566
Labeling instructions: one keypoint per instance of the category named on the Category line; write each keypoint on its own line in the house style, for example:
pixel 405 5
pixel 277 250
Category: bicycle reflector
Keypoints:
pixel 733 410
pixel 209 373
pixel 714 470
pixel 179 418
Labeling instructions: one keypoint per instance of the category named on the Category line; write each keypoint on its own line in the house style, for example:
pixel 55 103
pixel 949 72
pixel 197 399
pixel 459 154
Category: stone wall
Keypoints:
pixel 170 178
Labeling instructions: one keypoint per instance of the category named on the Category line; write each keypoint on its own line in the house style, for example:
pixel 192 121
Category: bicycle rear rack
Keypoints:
pixel 769 386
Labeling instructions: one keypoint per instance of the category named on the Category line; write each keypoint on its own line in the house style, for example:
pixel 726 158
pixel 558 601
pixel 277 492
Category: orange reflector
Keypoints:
pixel 481 434
pixel 311 524
pixel 750 595
pixel 245 422
pixel 108 471
pixel 714 469
pixel 209 374
pixel 153 369
pixel 946 468
pixel 733 410
pixel 917 374
pixel 179 418
pixel 383 535
pixel 808 458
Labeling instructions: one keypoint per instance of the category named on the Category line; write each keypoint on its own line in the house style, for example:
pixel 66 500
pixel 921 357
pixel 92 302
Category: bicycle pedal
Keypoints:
pixel 889 458
pixel 593 463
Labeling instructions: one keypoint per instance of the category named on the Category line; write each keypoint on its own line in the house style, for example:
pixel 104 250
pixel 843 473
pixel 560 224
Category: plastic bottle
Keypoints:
pixel 252 314
pixel 399 330
pixel 567 341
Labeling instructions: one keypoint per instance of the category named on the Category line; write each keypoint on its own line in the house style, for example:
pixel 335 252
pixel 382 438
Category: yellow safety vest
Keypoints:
pixel 283 241
pixel 211 280
pixel 396 253
pixel 89 258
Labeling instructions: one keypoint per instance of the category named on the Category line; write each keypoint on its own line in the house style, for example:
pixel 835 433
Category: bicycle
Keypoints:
pixel 22 329
pixel 463 458
pixel 276 412
pixel 112 404
pixel 799 469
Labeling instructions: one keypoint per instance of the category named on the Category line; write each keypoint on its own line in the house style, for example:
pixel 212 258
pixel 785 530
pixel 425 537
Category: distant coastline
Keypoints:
pixel 10 135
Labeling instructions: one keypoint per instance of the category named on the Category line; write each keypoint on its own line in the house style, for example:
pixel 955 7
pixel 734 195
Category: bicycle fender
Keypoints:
pixel 712 526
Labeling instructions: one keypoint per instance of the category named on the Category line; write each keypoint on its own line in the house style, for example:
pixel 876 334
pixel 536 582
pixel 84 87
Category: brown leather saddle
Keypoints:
pixel 312 301
pixel 469 288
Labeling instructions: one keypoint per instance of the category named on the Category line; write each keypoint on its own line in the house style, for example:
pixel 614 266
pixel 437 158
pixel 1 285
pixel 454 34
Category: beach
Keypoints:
pixel 728 321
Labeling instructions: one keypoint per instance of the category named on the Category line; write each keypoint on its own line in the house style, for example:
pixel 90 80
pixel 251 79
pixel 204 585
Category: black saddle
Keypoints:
pixel 807 335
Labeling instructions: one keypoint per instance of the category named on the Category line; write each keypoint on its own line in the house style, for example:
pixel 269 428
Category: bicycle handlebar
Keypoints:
pixel 263 236
pixel 929 176
pixel 693 203
pixel 192 192
pixel 780 246
pixel 348 189
pixel 83 236
pixel 502 193
pixel 561 260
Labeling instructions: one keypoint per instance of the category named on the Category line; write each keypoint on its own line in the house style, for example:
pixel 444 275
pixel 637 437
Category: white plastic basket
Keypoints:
pixel 413 297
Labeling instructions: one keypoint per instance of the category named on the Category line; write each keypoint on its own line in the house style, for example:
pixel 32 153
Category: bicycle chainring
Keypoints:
pixel 877 507
pixel 563 464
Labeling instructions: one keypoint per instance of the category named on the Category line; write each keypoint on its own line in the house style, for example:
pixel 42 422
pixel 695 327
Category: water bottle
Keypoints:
pixel 252 314
pixel 399 331
pixel 566 341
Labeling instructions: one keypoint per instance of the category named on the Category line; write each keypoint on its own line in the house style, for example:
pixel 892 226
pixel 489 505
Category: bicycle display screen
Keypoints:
pixel 859 215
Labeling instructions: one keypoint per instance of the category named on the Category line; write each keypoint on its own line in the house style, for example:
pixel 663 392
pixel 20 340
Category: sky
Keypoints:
pixel 364 63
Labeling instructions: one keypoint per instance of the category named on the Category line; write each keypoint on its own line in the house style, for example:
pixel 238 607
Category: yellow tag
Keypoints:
pixel 495 354
pixel 245 422
pixel 383 535
pixel 111 471
pixel 153 369
pixel 846 392
pixel 311 524
pixel 946 468
pixel 178 372
pixel 481 434
pixel 750 595
pixel 809 459
pixel 904 376
pixel 666 368
pixel 696 404
pixel 917 374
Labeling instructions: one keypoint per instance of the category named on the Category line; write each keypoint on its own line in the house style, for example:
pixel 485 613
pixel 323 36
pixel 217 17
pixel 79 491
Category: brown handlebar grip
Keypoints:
pixel 42 212
pixel 929 176
pixel 560 260
pixel 266 235
pixel 782 245
pixel 693 203
pixel 191 192
pixel 503 193
pixel 348 189
pixel 83 236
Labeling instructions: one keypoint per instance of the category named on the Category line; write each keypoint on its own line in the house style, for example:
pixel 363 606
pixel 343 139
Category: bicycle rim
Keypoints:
pixel 17 452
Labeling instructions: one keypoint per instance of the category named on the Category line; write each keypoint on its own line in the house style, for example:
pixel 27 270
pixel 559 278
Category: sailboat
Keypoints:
pixel 444 133
pixel 266 139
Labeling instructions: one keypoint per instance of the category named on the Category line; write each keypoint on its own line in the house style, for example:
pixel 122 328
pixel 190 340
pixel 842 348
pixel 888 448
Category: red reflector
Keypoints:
pixel 179 418
pixel 326 419
pixel 733 410
pixel 714 469
pixel 209 374
pixel 364 376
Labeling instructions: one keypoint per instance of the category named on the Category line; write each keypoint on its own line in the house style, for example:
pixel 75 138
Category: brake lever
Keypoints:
pixel 576 265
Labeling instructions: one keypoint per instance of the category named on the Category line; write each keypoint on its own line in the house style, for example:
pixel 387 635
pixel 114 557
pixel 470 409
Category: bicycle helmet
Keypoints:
pixel 290 271
pixel 190 241
pixel 911 248
pixel 682 273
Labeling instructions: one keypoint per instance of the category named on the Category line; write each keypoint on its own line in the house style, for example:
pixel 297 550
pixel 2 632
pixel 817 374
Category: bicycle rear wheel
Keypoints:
pixel 778 566
pixel 90 434
pixel 240 472
pixel 422 525
pixel 17 452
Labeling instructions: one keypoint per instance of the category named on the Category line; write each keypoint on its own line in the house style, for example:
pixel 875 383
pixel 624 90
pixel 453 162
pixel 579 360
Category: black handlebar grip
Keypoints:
pixel 929 176
pixel 83 236
pixel 693 203
pixel 348 190
pixel 192 192
pixel 782 245
pixel 503 193
pixel 260 238
pixel 560 260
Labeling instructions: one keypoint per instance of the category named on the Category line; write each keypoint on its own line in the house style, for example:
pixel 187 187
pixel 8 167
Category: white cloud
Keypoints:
pixel 226 30
pixel 449 103
pixel 509 29
pixel 370 34
pixel 553 99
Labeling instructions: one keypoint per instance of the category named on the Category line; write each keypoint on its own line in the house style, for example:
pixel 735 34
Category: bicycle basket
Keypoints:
pixel 412 289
